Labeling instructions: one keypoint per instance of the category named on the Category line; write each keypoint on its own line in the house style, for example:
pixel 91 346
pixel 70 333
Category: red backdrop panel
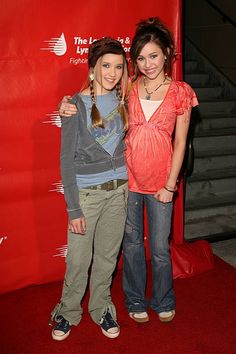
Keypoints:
pixel 43 56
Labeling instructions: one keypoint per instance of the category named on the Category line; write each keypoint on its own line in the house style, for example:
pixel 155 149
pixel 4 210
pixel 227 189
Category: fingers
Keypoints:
pixel 66 99
pixel 67 109
pixel 163 196
pixel 83 225
pixel 78 226
pixel 157 196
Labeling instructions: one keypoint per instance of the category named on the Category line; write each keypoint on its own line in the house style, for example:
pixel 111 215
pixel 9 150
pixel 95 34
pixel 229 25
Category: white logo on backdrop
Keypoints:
pixel 55 119
pixel 57 187
pixel 2 239
pixel 57 45
pixel 62 251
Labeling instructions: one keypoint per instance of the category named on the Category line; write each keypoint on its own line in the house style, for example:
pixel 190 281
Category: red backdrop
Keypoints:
pixel 43 57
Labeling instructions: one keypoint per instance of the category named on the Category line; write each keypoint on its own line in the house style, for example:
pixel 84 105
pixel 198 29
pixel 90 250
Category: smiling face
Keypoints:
pixel 151 61
pixel 107 72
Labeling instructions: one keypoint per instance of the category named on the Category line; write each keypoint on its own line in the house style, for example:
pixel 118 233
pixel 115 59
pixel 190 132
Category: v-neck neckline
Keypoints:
pixel 159 107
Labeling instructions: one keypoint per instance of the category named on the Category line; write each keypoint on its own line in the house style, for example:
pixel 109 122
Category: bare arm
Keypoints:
pixel 65 108
pixel 181 131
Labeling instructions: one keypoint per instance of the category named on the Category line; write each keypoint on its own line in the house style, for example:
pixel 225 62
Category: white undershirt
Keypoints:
pixel 149 107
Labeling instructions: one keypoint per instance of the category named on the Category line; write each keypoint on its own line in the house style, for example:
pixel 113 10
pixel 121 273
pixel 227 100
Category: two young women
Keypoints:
pixel 159 113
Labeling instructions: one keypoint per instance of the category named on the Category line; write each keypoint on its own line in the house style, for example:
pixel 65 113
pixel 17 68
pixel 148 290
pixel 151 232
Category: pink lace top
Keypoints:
pixel 149 144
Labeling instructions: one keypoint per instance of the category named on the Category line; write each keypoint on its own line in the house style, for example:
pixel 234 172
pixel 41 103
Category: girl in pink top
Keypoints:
pixel 149 140
pixel 158 106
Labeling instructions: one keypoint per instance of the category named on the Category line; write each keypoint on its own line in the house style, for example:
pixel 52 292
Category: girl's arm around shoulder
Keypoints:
pixel 69 129
pixel 67 106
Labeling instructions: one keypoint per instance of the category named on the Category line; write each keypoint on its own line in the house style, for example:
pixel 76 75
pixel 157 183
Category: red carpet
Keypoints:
pixel 205 322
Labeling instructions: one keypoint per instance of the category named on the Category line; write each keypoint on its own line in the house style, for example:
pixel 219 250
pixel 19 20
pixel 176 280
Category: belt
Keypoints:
pixel 108 186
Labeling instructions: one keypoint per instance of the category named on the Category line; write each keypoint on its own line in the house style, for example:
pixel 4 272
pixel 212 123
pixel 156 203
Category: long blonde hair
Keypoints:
pixel 108 45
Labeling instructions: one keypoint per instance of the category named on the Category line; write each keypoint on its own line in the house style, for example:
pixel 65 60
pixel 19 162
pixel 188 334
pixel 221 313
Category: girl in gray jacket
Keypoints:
pixel 94 177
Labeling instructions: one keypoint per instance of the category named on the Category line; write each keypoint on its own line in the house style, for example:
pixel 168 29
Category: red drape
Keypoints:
pixel 43 57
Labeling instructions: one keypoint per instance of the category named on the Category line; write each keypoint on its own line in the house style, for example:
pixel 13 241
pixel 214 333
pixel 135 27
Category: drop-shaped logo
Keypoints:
pixel 57 187
pixel 61 251
pixel 57 45
pixel 55 119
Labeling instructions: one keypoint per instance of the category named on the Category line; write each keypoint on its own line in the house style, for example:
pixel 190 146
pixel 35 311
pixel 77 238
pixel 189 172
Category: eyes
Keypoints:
pixel 151 56
pixel 108 66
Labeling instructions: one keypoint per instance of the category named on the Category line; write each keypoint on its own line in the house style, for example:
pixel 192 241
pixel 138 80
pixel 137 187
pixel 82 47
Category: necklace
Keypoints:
pixel 148 96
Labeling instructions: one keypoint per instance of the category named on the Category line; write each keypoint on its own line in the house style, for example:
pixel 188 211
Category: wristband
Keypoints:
pixel 171 188
pixel 171 191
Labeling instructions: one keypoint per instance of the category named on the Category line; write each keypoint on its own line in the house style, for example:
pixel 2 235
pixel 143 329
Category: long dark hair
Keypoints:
pixel 97 49
pixel 152 30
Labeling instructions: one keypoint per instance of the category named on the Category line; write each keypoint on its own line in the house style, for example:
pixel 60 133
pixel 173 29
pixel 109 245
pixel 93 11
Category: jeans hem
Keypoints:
pixel 136 309
pixel 163 309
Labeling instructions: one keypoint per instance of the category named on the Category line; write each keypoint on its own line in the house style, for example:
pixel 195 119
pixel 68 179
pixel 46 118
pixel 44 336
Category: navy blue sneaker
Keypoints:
pixel 62 329
pixel 109 326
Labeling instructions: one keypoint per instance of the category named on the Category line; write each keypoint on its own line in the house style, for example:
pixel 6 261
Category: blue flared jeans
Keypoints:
pixel 134 260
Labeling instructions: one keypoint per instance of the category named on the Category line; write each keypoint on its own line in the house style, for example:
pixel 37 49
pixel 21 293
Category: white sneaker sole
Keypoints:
pixel 167 318
pixel 110 335
pixel 60 337
pixel 139 318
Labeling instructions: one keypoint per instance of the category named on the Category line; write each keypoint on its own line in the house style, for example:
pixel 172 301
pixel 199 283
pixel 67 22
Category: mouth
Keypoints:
pixel 150 71
pixel 110 80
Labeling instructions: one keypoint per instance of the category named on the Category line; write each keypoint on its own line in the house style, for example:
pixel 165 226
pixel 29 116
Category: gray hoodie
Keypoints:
pixel 82 154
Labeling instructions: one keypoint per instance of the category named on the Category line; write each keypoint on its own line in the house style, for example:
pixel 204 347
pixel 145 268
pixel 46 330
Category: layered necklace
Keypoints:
pixel 148 94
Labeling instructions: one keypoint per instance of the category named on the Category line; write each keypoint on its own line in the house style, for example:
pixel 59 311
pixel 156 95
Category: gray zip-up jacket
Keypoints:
pixel 82 154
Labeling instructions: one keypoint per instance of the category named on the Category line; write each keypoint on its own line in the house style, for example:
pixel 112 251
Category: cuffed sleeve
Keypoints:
pixel 185 99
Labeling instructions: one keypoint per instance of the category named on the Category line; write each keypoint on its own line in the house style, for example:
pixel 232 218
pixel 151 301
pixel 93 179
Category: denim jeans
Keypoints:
pixel 134 260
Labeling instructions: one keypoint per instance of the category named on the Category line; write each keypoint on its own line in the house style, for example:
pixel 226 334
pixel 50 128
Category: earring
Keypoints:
pixel 91 76
pixel 165 58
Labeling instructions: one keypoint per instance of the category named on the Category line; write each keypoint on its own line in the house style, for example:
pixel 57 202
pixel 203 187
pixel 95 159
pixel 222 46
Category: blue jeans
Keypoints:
pixel 134 260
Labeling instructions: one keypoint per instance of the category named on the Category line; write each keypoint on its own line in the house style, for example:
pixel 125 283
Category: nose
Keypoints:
pixel 112 72
pixel 147 63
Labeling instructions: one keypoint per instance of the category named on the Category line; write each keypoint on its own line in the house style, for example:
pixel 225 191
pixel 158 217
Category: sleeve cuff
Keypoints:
pixel 75 214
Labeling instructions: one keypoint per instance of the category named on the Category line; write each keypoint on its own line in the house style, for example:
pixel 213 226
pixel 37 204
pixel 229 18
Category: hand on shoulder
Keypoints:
pixel 65 108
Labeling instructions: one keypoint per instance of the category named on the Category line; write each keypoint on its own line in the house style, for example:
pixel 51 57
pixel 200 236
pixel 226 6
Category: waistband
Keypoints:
pixel 108 186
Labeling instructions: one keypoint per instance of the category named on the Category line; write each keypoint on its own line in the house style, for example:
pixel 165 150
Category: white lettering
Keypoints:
pixel 91 40
pixel 81 51
pixel 79 40
pixel 76 61
pixel 121 40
